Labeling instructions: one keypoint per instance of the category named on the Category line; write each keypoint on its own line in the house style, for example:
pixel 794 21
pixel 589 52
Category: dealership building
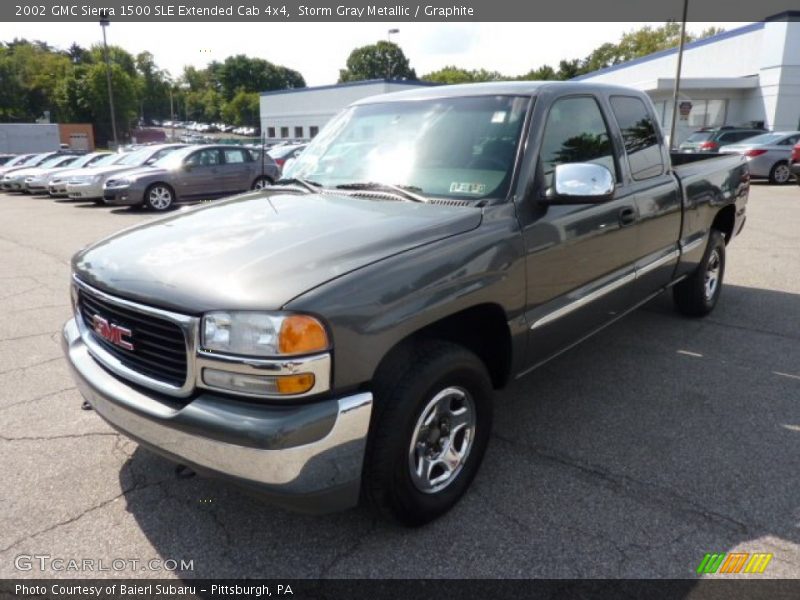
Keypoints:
pixel 300 113
pixel 745 76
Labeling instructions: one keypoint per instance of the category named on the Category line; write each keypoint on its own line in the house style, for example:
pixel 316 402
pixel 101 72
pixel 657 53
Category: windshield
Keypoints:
pixel 764 138
pixel 135 158
pixel 109 159
pixel 19 160
pixel 173 159
pixel 451 147
pixel 52 162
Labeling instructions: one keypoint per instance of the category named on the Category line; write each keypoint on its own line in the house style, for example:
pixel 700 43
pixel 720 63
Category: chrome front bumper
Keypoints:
pixel 307 457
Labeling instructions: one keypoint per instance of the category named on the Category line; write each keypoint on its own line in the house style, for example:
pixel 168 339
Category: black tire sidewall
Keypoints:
pixel 716 241
pixel 410 505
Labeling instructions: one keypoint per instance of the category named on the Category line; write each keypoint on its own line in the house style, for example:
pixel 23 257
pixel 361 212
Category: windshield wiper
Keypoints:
pixel 311 186
pixel 409 192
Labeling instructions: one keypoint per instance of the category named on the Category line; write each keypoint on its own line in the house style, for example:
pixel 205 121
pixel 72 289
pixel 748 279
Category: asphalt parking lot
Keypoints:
pixel 633 455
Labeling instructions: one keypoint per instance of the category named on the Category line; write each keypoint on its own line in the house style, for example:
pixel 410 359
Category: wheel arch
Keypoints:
pixel 724 222
pixel 482 329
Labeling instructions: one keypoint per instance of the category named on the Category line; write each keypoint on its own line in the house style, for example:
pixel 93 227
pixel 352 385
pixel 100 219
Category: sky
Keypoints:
pixel 319 50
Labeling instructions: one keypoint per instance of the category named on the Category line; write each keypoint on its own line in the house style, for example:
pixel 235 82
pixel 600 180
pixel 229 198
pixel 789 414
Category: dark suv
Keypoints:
pixel 711 139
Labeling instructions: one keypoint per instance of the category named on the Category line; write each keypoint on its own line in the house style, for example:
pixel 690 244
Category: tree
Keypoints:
pixel 242 109
pixel 383 60
pixel 453 74
pixel 241 72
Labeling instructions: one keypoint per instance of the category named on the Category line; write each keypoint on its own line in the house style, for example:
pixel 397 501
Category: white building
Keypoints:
pixel 745 76
pixel 301 112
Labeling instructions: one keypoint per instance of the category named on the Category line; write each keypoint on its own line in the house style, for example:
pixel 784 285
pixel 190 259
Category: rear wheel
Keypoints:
pixel 159 197
pixel 261 183
pixel 780 173
pixel 697 295
pixel 429 432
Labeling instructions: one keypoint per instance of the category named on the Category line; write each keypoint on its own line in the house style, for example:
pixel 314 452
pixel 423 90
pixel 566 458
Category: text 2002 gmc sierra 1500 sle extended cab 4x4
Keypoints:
pixel 337 337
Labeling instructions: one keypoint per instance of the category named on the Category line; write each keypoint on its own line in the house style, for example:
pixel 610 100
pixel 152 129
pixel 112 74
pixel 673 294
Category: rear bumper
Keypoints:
pixel 306 457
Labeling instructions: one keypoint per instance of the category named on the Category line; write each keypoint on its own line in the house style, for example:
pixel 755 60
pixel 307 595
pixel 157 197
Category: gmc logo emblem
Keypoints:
pixel 119 336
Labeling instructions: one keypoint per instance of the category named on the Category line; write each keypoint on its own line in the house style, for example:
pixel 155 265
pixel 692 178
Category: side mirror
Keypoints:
pixel 580 183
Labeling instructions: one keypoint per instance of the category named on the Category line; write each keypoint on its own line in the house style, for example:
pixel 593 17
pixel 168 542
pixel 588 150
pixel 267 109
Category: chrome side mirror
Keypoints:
pixel 579 183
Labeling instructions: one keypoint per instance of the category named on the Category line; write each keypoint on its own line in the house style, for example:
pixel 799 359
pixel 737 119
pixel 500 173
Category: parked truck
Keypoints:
pixel 338 337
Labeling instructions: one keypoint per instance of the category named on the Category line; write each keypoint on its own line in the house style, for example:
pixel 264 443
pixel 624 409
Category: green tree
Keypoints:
pixel 453 74
pixel 241 72
pixel 242 109
pixel 383 60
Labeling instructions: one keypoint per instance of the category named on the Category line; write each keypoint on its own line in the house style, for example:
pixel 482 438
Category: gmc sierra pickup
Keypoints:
pixel 337 337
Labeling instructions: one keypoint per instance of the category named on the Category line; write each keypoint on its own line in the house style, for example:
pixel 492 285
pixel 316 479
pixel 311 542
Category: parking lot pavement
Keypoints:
pixel 633 455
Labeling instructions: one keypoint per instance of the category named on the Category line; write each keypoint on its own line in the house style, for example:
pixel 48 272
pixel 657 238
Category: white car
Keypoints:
pixel 89 185
pixel 14 180
pixel 38 178
pixel 57 182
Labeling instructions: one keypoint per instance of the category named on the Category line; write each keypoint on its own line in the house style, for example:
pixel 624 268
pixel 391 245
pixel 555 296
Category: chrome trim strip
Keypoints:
pixel 659 262
pixel 606 289
pixel 686 248
pixel 319 365
pixel 584 300
pixel 189 325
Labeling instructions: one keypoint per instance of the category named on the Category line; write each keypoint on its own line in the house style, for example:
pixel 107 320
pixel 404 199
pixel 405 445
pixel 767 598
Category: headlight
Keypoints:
pixel 263 334
pixel 115 183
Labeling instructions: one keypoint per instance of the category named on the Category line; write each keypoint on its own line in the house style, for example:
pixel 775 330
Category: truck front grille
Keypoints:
pixel 158 346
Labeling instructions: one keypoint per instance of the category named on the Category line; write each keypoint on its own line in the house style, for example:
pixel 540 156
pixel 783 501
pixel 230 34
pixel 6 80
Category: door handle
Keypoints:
pixel 627 216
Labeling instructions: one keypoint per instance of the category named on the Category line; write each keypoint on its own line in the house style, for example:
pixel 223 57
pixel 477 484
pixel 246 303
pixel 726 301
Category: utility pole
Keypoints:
pixel 677 88
pixel 389 63
pixel 104 22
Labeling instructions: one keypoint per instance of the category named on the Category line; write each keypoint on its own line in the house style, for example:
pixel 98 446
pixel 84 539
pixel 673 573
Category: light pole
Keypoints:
pixel 677 88
pixel 389 62
pixel 104 22
pixel 171 113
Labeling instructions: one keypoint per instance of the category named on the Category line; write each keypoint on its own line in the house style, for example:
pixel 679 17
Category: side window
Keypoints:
pixel 235 155
pixel 204 158
pixel 641 140
pixel 575 132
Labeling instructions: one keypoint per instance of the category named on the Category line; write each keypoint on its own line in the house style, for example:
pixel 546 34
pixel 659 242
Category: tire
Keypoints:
pixel 261 182
pixel 697 295
pixel 436 403
pixel 780 173
pixel 159 197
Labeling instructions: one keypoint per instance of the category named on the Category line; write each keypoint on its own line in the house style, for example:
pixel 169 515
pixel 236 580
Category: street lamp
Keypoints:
pixel 389 63
pixel 677 85
pixel 104 22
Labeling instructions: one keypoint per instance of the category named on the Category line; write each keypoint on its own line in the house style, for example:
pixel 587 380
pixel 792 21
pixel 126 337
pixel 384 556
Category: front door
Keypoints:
pixel 201 176
pixel 579 257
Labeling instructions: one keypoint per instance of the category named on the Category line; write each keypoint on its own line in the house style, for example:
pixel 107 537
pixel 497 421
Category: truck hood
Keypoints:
pixel 259 251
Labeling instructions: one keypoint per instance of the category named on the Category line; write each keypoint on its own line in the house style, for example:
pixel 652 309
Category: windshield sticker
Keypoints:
pixel 467 188
pixel 499 117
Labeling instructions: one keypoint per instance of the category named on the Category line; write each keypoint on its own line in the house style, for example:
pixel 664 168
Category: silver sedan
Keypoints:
pixel 767 154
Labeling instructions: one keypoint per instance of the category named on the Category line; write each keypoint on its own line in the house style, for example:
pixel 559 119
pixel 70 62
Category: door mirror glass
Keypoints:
pixel 579 183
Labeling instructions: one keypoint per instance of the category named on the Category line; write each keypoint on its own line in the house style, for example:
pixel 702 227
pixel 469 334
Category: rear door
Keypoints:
pixel 579 257
pixel 237 170
pixel 654 191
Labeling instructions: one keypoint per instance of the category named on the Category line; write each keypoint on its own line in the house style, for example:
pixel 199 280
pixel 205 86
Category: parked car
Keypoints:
pixel 57 182
pixel 282 154
pixel 8 182
pixel 795 162
pixel 14 181
pixel 89 185
pixel 711 140
pixel 337 337
pixel 768 154
pixel 193 173
pixel 4 158
pixel 38 178
pixel 23 160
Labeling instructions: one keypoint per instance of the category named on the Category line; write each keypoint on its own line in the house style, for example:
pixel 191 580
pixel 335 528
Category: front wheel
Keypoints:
pixel 780 173
pixel 159 197
pixel 429 432
pixel 697 295
pixel 261 183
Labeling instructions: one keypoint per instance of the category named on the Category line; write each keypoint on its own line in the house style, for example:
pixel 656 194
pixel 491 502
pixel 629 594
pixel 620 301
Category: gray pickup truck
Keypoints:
pixel 338 336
